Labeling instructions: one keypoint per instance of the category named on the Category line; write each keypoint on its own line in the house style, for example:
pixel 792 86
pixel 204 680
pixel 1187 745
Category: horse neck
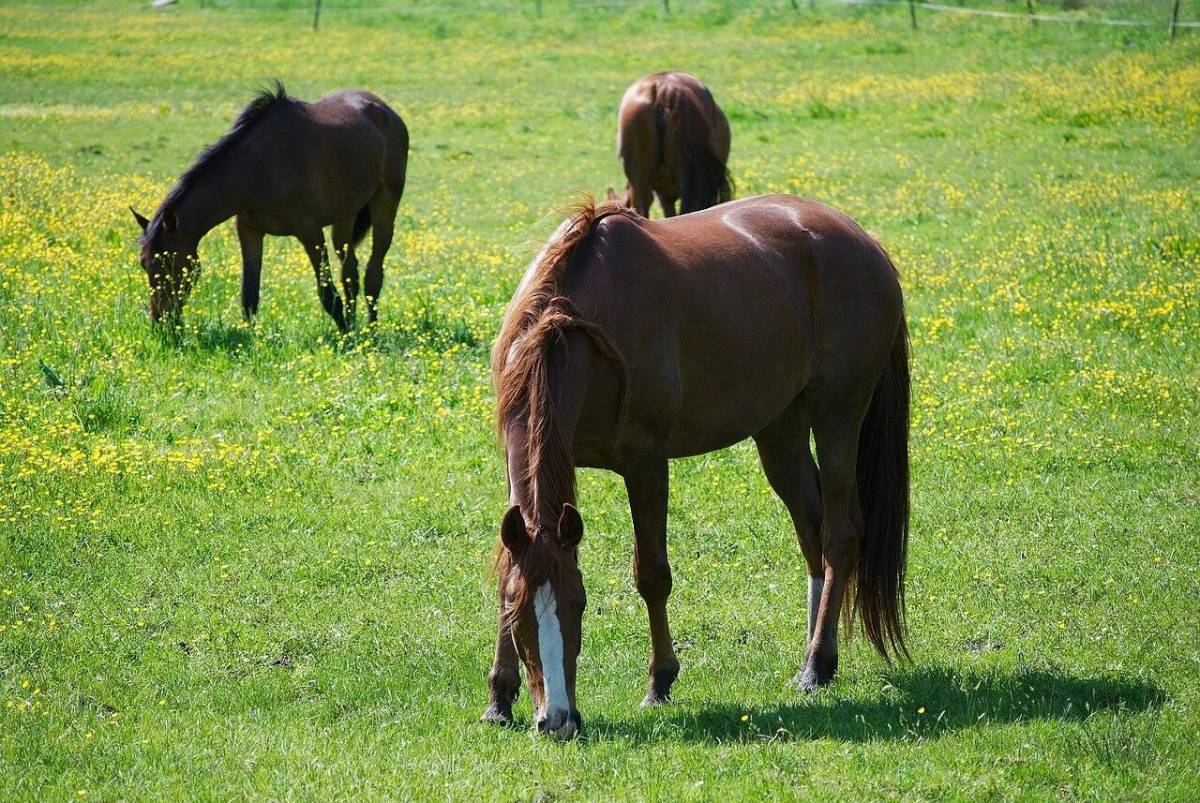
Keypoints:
pixel 211 198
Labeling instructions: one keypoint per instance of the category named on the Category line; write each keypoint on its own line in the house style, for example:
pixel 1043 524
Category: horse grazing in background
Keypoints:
pixel 673 141
pixel 286 167
pixel 630 342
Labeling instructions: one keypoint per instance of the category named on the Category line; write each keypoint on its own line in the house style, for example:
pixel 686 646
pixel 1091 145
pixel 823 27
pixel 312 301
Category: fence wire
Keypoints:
pixel 987 12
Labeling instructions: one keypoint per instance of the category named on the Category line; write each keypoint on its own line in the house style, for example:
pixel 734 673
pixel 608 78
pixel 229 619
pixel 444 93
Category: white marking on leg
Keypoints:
pixel 550 647
pixel 815 586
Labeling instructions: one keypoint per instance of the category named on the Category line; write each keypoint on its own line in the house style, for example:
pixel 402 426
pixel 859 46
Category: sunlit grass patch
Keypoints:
pixel 250 559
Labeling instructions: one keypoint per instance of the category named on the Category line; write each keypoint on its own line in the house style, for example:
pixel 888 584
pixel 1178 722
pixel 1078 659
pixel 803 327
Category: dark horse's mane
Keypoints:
pixel 256 110
pixel 537 321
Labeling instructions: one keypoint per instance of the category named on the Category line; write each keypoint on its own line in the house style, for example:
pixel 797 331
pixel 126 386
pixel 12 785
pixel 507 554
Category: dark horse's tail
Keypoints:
pixel 706 180
pixel 883 494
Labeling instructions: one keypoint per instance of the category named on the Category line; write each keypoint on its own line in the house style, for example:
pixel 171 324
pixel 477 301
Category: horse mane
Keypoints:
pixel 263 103
pixel 535 322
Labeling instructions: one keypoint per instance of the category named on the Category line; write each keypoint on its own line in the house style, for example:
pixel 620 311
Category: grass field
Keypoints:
pixel 243 562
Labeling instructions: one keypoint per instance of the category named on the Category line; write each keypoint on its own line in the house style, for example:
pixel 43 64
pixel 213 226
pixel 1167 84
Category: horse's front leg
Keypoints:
pixel 504 681
pixel 647 490
pixel 251 242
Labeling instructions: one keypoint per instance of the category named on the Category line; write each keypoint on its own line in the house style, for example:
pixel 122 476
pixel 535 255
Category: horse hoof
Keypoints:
pixel 494 716
pixel 659 692
pixel 805 681
pixel 816 673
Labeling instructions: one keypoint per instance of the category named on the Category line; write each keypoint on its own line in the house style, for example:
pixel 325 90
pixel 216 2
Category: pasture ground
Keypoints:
pixel 245 562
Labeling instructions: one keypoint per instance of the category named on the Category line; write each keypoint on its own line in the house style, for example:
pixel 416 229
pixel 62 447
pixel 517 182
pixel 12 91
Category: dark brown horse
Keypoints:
pixel 630 342
pixel 286 168
pixel 673 141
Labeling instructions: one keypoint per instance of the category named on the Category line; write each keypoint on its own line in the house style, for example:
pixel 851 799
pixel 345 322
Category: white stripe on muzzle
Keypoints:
pixel 550 647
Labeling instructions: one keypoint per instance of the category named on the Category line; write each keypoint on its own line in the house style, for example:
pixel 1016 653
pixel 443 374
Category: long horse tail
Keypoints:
pixel 883 494
pixel 706 180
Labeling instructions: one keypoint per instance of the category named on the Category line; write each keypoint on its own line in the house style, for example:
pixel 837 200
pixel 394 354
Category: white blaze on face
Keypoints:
pixel 550 648
pixel 815 586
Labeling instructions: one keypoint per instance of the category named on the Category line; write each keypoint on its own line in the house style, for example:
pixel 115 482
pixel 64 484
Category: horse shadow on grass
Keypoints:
pixel 213 336
pixel 923 702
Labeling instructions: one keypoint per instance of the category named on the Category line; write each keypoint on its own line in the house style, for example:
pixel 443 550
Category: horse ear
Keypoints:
pixel 513 534
pixel 570 527
pixel 170 221
pixel 141 220
pixel 612 195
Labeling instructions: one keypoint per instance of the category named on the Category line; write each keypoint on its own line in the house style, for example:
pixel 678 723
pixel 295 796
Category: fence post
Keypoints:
pixel 667 6
pixel 1174 19
pixel 1032 18
pixel 316 13
pixel 912 14
pixel 539 7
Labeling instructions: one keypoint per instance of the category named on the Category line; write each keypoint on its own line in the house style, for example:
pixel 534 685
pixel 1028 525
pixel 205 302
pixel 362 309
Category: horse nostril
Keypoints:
pixel 542 724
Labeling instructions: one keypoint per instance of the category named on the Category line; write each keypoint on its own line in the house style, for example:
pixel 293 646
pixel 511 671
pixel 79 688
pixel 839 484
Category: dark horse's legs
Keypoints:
pixel 383 221
pixel 647 490
pixel 343 244
pixel 318 255
pixel 788 464
pixel 252 250
pixel 667 202
pixel 504 681
pixel 640 197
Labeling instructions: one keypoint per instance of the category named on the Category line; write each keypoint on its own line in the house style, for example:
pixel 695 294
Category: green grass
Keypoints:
pixel 252 562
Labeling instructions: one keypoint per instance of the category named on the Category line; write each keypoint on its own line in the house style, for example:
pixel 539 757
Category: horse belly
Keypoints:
pixel 740 365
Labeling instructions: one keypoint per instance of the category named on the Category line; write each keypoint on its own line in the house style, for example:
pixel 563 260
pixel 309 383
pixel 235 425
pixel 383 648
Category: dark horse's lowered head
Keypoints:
pixel 632 341
pixel 286 168
pixel 673 140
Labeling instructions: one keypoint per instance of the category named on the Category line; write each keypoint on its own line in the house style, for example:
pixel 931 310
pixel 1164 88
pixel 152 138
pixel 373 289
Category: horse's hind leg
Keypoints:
pixel 647 488
pixel 343 244
pixel 383 222
pixel 788 463
pixel 667 202
pixel 314 245
pixel 640 197
pixel 836 429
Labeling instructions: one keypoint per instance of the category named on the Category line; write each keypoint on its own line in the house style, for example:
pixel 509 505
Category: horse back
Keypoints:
pixel 726 316
pixel 326 159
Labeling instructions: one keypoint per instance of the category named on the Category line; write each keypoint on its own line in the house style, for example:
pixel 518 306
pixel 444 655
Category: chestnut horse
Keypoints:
pixel 286 167
pixel 673 141
pixel 630 342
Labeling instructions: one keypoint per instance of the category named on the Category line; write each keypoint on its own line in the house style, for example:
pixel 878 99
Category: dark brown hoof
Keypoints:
pixel 659 692
pixel 494 715
pixel 817 672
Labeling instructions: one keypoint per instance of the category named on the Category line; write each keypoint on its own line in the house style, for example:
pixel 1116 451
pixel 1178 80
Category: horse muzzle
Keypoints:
pixel 559 724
